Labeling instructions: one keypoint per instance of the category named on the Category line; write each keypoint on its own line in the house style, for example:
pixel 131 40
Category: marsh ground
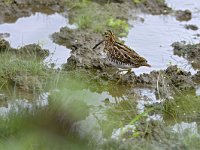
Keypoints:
pixel 57 93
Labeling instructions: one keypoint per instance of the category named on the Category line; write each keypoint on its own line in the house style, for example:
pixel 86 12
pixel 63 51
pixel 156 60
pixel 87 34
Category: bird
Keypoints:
pixel 120 55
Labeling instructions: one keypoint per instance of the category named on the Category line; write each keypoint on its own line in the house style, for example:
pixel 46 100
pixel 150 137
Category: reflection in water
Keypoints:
pixel 198 91
pixel 7 105
pixel 37 29
pixel 147 98
pixel 153 38
pixel 117 134
pixel 186 127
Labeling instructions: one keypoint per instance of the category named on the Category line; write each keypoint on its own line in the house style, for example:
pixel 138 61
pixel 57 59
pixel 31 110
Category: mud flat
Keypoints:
pixel 93 74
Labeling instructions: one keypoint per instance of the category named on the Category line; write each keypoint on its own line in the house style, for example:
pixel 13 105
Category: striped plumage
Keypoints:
pixel 120 55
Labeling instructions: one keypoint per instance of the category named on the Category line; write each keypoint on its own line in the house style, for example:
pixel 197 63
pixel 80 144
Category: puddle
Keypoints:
pixel 7 106
pixel 37 29
pixel 147 98
pixel 92 98
pixel 153 37
pixel 198 91
pixel 192 5
pixel 186 127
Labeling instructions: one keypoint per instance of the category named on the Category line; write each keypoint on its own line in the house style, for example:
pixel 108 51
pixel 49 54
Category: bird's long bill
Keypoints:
pixel 147 65
pixel 98 44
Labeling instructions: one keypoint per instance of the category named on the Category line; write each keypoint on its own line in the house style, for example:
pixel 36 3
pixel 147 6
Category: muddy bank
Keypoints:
pixel 167 82
pixel 155 7
pixel 18 66
pixel 31 50
pixel 13 9
pixel 81 43
pixel 189 51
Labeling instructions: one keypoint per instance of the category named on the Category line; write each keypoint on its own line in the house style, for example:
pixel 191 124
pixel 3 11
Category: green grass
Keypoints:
pixel 144 1
pixel 38 129
pixel 183 107
pixel 98 18
pixel 139 1
pixel 14 69
pixel 49 127
pixel 8 2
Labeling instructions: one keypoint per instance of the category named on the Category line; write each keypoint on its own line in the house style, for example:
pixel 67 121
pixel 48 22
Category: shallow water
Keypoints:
pixel 37 29
pixel 153 37
pixel 192 5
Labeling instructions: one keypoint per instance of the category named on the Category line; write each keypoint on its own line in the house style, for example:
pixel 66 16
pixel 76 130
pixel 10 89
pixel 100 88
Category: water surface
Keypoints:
pixel 153 37
pixel 37 28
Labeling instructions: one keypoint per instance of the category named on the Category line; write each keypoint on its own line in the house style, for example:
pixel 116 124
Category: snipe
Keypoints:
pixel 120 55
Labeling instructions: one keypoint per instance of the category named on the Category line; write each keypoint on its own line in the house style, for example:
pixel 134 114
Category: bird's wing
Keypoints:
pixel 126 48
pixel 128 53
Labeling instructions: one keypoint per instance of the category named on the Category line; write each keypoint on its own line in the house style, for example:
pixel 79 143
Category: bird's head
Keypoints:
pixel 109 37
pixel 144 63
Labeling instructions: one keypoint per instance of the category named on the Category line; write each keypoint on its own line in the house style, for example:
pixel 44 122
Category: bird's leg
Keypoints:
pixel 121 70
pixel 120 78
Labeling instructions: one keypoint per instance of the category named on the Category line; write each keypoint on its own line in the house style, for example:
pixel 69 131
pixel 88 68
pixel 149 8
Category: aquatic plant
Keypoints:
pixel 183 106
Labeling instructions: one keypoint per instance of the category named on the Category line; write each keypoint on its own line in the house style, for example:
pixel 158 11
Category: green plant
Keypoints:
pixel 15 70
pixel 98 18
pixel 8 2
pixel 118 25
pixel 139 1
pixel 183 106
pixel 84 21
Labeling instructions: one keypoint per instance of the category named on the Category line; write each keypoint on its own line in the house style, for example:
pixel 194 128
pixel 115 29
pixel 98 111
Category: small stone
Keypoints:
pixel 183 15
pixel 191 27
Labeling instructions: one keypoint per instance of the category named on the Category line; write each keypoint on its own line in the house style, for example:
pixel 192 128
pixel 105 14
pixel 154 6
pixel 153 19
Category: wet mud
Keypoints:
pixel 81 43
pixel 154 7
pixel 26 51
pixel 183 15
pixel 191 27
pixel 189 51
